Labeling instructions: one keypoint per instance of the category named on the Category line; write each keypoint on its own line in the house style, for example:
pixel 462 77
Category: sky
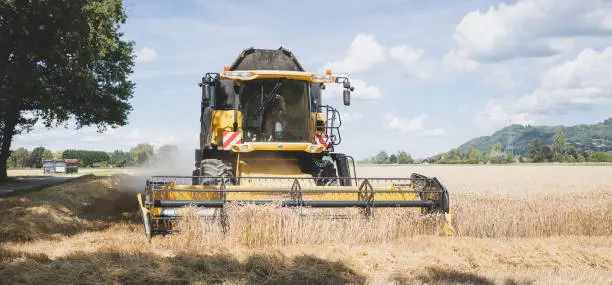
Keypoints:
pixel 428 75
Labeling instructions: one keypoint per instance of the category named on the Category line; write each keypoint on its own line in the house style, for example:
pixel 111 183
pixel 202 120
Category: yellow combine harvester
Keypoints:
pixel 266 137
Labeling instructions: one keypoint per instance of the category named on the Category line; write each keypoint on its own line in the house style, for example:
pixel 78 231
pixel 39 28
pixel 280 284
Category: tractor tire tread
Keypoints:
pixel 216 168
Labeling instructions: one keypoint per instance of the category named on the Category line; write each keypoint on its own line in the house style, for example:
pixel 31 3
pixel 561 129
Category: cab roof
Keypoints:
pixel 246 75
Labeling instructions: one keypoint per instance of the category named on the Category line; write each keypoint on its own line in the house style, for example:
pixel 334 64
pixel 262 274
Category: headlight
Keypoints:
pixel 314 148
pixel 240 148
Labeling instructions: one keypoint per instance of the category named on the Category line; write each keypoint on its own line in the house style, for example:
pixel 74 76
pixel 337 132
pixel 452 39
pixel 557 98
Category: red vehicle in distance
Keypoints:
pixel 61 166
pixel 72 165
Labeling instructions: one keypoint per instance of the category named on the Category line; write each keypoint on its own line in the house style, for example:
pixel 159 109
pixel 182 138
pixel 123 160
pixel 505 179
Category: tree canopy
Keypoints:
pixel 142 153
pixel 382 157
pixel 60 61
pixel 36 157
pixel 474 155
pixel 404 158
pixel 535 150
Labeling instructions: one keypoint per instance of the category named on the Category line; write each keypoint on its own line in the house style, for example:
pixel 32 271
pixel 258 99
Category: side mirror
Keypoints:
pixel 208 82
pixel 206 93
pixel 346 96
pixel 345 81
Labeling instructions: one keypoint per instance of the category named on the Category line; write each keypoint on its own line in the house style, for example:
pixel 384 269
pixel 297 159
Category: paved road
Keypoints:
pixel 23 183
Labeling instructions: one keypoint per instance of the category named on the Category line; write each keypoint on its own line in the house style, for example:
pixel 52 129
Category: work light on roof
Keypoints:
pixel 244 75
pixel 321 78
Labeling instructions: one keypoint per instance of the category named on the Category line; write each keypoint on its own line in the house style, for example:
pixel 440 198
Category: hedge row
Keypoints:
pixel 86 158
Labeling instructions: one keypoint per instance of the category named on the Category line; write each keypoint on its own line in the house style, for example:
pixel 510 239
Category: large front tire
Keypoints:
pixel 218 171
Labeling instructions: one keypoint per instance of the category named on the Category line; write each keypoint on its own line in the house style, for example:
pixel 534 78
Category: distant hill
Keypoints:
pixel 595 137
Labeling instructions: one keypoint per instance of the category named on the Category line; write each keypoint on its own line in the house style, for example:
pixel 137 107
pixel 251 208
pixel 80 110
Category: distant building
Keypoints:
pixel 60 166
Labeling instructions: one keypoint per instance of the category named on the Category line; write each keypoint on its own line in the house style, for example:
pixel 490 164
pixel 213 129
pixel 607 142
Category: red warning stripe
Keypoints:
pixel 320 140
pixel 231 138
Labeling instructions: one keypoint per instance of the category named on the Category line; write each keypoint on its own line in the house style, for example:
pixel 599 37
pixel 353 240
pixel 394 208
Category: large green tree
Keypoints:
pixel 535 150
pixel 121 159
pixel 404 158
pixel 142 153
pixel 454 154
pixel 36 157
pixel 19 158
pixel 62 60
pixel 47 155
pixel 495 155
pixel 381 157
pixel 392 158
pixel 573 152
pixel 559 143
pixel 474 155
pixel 58 154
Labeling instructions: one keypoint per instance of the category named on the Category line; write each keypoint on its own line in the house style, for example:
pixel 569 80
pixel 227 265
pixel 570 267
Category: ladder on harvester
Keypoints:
pixel 333 122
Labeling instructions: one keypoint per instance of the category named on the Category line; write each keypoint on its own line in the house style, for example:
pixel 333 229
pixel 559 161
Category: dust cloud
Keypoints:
pixel 179 163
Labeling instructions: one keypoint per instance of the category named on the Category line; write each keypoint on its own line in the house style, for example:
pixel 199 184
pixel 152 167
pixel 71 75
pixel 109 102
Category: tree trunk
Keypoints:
pixel 8 122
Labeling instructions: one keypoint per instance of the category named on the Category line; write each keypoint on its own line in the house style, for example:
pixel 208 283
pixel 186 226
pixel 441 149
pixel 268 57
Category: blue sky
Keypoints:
pixel 429 75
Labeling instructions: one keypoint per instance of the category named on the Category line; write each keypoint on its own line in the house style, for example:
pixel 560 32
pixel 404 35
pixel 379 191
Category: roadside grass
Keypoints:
pixel 27 190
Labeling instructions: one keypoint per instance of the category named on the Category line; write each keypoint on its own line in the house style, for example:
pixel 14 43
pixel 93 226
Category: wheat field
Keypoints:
pixel 517 224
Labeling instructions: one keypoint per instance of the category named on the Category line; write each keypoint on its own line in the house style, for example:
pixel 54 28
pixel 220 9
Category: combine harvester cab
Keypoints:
pixel 266 138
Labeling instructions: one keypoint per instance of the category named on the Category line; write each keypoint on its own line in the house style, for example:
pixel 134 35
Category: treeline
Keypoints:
pixel 87 158
pixel 473 156
pixel 558 151
pixel 382 157
pixel 140 155
pixel 538 152
pixel 23 158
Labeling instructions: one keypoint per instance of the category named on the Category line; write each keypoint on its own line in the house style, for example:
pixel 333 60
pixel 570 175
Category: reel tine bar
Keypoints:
pixel 366 193
pixel 296 193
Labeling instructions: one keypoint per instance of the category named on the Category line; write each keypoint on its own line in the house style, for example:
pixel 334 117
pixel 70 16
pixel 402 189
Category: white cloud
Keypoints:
pixel 363 54
pixel 501 78
pixel 362 91
pixel 589 68
pixel 406 54
pixel 436 132
pixel 412 60
pixel 88 138
pixel 529 28
pixel 414 125
pixel 146 54
pixel 578 84
pixel 350 117
pixel 495 115
pixel 458 60
pixel 405 125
